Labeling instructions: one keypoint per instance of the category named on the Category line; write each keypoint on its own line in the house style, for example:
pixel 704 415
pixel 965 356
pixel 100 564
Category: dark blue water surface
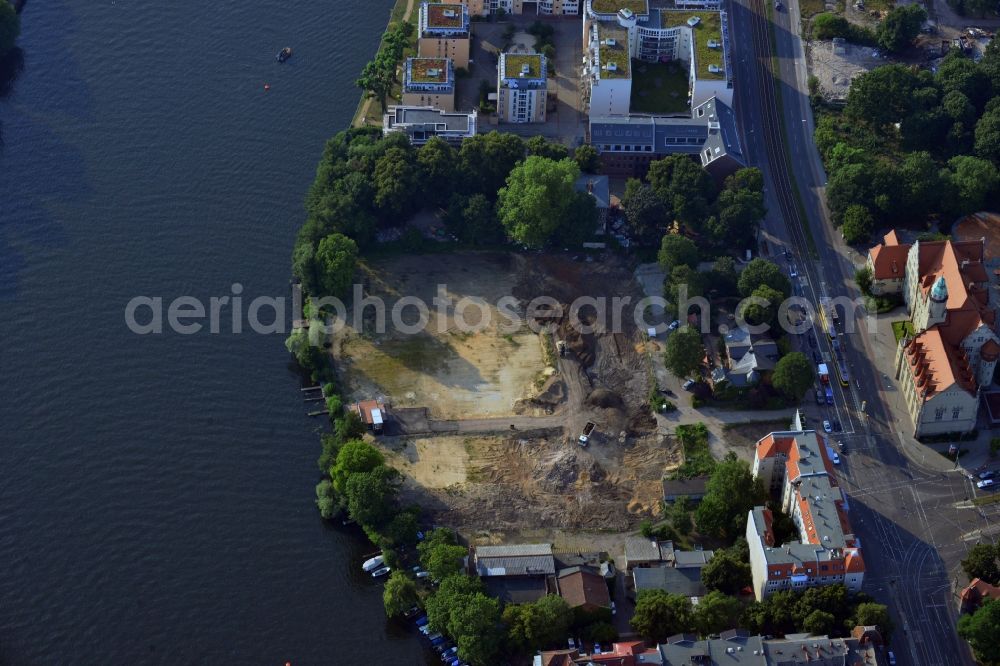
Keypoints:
pixel 156 493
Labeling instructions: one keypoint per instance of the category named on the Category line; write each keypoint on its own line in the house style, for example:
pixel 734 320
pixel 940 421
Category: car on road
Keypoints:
pixel 673 325
pixel 834 457
pixel 688 385
pixel 827 427
pixel 613 609
pixel 819 397
pixel 791 269
pixel 988 474
pixel 986 483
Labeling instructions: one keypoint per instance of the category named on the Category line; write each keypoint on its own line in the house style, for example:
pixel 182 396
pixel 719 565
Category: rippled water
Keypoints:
pixel 156 492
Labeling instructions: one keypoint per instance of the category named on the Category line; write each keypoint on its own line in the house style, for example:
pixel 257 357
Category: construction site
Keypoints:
pixel 545 426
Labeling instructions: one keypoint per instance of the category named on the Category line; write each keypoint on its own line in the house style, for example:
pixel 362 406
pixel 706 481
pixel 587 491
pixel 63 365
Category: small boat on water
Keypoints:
pixel 373 563
pixel 284 54
pixel 381 572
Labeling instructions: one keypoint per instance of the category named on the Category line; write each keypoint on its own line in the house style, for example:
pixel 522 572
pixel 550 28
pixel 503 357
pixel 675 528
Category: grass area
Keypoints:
pixel 612 6
pixel 616 54
pixel 901 328
pixel 987 499
pixel 764 425
pixel 809 8
pixel 515 62
pixel 709 28
pixel 659 87
pixel 698 460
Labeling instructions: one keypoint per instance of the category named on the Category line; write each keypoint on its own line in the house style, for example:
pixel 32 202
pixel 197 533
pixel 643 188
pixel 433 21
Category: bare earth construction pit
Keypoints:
pixel 460 392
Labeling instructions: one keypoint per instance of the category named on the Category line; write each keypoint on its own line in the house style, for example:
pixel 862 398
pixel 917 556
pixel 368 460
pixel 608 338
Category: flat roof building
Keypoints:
pixel 429 82
pixel 522 81
pixel 443 32
pixel 421 123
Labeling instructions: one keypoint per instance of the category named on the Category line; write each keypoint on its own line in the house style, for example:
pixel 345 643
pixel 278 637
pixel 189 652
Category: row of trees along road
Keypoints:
pixel 912 146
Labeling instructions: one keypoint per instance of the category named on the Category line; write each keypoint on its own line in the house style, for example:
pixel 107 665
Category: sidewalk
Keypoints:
pixel 927 456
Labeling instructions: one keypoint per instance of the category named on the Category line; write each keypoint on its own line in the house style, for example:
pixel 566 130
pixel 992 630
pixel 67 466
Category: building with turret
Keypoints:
pixel 950 357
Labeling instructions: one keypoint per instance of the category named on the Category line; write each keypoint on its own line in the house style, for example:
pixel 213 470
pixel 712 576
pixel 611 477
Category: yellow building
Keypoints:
pixel 444 32
pixel 429 82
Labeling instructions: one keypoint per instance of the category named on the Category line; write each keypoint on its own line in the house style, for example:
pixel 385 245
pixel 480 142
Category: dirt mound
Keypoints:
pixel 553 393
pixel 561 470
pixel 605 399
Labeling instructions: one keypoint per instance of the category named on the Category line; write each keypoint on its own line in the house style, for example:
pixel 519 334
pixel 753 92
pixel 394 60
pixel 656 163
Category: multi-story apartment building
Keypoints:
pixel 628 144
pixel 943 367
pixel 797 464
pixel 443 32
pixel 421 123
pixel 521 88
pixel 429 82
pixel 540 7
pixel 618 31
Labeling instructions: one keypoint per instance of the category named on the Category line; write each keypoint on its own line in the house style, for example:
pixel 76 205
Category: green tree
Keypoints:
pixel 723 276
pixel 680 515
pixel 981 629
pixel 659 615
pixel 437 163
pixel 873 614
pixel 981 562
pixel 884 95
pixel 827 26
pixel 863 277
pixel 395 179
pixel 819 623
pixel 971 180
pixel 716 612
pixel 684 186
pixel 988 136
pixel 402 529
pixel 684 352
pixel 461 610
pixel 920 180
pixel 334 406
pixel 683 276
pixel 537 199
pixel 677 250
pixel 542 147
pixel 958 73
pixel 900 27
pixel 473 220
pixel 726 572
pixel 440 553
pixel 645 212
pixel 399 595
pixel 325 499
pixel 543 623
pixel 354 457
pixel 793 375
pixel 858 224
pixel 10 27
pixel 764 309
pixel 730 493
pixel 371 497
pixel 377 79
pixel 587 158
pixel 485 160
pixel 759 272
pixel 336 258
pixel 739 213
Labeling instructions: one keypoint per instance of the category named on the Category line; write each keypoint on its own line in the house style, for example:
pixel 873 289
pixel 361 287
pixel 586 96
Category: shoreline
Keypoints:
pixel 401 11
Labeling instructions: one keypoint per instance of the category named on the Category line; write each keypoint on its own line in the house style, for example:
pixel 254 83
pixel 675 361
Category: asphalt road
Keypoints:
pixel 913 521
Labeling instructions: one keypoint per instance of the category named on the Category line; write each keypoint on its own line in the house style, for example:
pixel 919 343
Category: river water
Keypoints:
pixel 156 492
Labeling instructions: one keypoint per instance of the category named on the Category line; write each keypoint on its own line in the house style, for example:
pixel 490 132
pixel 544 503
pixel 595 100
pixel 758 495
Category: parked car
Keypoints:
pixel 688 385
pixel 985 483
pixel 673 325
pixel 792 273
pixel 834 457
pixel 988 474
pixel 827 427
pixel 819 397
pixel 613 609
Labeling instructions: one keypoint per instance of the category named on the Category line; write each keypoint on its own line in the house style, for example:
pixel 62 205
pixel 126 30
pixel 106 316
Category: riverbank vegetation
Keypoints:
pixel 913 146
